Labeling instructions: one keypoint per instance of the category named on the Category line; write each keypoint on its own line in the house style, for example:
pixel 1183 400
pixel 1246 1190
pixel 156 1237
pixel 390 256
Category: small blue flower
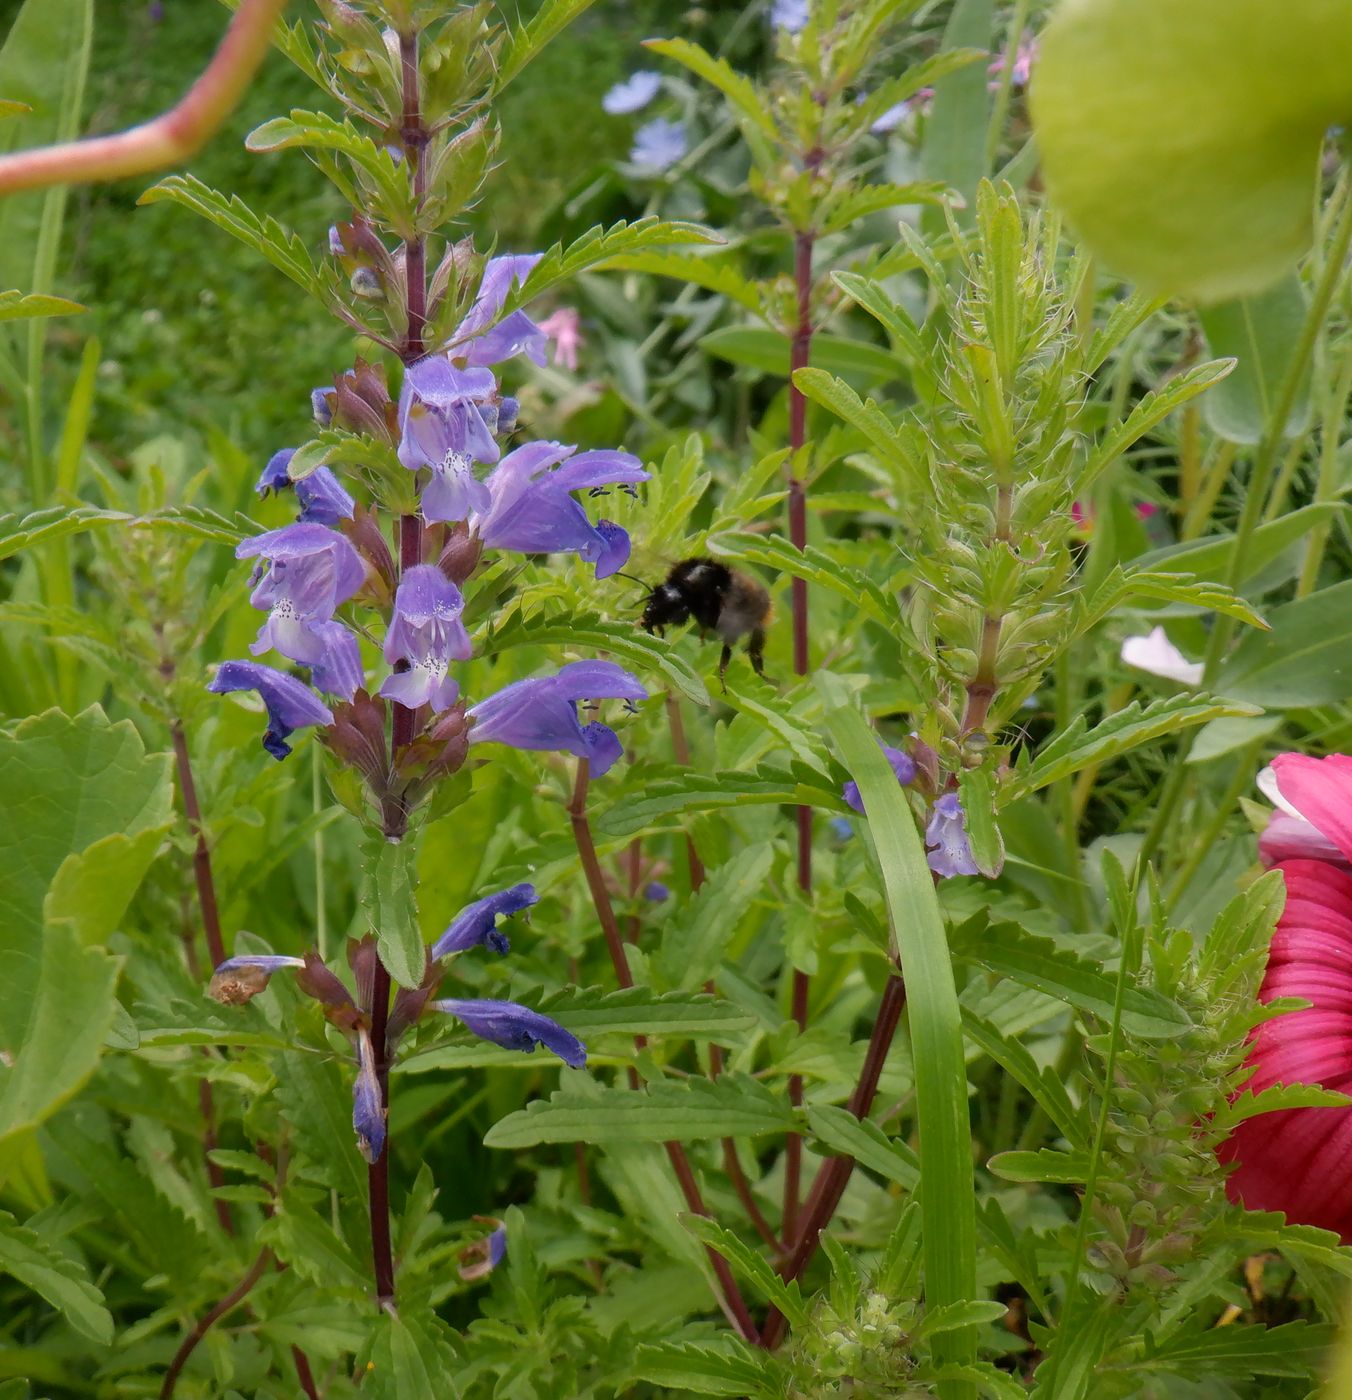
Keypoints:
pixel 655 892
pixel 903 765
pixel 842 828
pixel 477 923
pixel 541 713
pixel 890 119
pixel 442 415
pixel 311 570
pixel 950 852
pixel 631 95
pixel 426 632
pixel 790 15
pixel 515 1027
pixel 290 705
pixel 531 508
pixel 368 1106
pixel 479 1258
pixel 321 406
pixel 322 498
pixel 658 144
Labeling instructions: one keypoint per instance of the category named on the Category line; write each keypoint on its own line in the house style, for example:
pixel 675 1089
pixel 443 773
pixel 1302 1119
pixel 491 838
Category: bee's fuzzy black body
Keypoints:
pixel 719 599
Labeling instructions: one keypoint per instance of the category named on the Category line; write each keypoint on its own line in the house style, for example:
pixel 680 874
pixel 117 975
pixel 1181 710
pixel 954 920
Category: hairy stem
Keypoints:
pixel 835 1172
pixel 731 1300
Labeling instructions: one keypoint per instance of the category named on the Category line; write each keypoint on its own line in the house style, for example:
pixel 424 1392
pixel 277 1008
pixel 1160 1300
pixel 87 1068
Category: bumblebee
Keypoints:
pixel 720 599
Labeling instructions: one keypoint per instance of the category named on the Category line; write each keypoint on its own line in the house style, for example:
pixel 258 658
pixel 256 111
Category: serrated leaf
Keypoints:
pixel 391 900
pixel 201 523
pixel 850 205
pixel 693 942
pixel 971 1313
pixel 1122 586
pixel 1045 1087
pixel 526 42
pixel 1153 408
pixel 895 319
pixel 840 1131
pixel 787 1297
pixel 712 271
pixel 1078 746
pixel 691 1368
pixel 874 422
pixel 1047 1164
pixel 282 248
pixel 747 104
pixel 319 131
pixel 1010 951
pixel 302 1238
pixel 768 351
pixel 18 533
pixel 63 1282
pixel 1273 1100
pixel 1295 1349
pixel 731 1106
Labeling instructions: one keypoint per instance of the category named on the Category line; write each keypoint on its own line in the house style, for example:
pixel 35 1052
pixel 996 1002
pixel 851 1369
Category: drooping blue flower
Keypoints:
pixel 541 713
pixel 337 670
pixel 480 1257
pixel 903 765
pixel 426 632
pixel 481 339
pixel 477 923
pixel 322 498
pixel 842 828
pixel 658 144
pixel 515 1027
pixel 791 15
pixel 368 1108
pixel 950 852
pixel 631 95
pixel 290 705
pixel 311 570
pixel 655 892
pixel 239 980
pixel 531 507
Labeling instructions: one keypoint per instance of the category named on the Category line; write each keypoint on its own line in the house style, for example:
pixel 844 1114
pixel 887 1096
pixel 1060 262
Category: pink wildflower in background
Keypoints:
pixel 564 328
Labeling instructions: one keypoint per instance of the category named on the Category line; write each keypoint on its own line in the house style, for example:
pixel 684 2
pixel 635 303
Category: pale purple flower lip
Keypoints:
pixel 658 144
pixel 477 923
pixel 541 713
pixel 631 95
pixel 368 1112
pixel 531 507
pixel 515 1027
pixel 903 765
pixel 477 340
pixel 290 704
pixel 950 852
pixel 426 632
pixel 441 411
pixel 337 668
pixel 322 499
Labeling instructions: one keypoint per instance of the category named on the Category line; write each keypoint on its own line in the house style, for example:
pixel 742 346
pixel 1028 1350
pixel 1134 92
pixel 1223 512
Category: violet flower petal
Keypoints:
pixel 515 1027
pixel 290 705
pixel 477 923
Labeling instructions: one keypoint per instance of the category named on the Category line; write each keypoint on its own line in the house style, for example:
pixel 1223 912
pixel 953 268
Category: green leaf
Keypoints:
pixel 1078 746
pixel 787 1297
pixel 527 42
pixel 200 523
pixel 975 785
pixel 973 1313
pixel 1044 1085
pixel 1121 586
pixel 767 350
pixel 61 1280
pixel 319 131
pixel 1261 333
pixel 303 1239
pixel 954 151
pixel 1273 1100
pixel 712 271
pixel 587 632
pixel 747 104
pixel 15 306
pixel 1304 660
pixel 702 1369
pixel 847 206
pixel 282 248
pixel 1046 1164
pixel 1183 141
pixel 892 316
pixel 1010 951
pixel 947 1200
pixel 733 1105
pixel 875 423
pixel 392 903
pixel 1151 409
pixel 847 1136
pixel 1296 1349
pixel 53 524
pixel 693 942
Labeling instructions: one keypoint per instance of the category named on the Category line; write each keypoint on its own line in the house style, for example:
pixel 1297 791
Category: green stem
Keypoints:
pixel 1335 412
pixel 1018 22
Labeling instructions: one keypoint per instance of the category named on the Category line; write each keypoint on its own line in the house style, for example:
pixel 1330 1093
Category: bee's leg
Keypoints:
pixel 755 650
pixel 723 667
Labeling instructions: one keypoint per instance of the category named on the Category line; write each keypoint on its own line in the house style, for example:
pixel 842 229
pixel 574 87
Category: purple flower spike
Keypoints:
pixel 541 713
pixel 950 851
pixel 311 571
pixel 532 509
pixel 903 765
pixel 477 923
pixel 442 413
pixel 290 704
pixel 516 1027
pixel 477 341
pixel 426 632
pixel 338 671
pixel 368 1112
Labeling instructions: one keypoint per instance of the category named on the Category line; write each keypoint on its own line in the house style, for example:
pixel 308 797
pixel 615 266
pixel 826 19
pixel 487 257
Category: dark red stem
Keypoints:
pixel 201 860
pixel 835 1172
pixel 204 1324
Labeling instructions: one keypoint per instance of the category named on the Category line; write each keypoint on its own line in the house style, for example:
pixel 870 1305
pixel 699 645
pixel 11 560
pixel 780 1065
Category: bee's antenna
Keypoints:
pixel 619 573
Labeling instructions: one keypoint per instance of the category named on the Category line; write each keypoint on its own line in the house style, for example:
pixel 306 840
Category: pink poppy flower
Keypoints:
pixel 1296 1160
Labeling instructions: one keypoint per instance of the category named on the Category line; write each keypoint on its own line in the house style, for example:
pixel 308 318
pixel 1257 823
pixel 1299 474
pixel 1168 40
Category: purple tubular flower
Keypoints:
pixel 477 340
pixel 631 95
pixel 368 1112
pixel 238 980
pixel 531 507
pixel 515 1027
pixel 311 570
pixel 321 406
pixel 322 499
pixel 441 411
pixel 497 1247
pixel 477 923
pixel 426 632
pixel 903 765
pixel 290 704
pixel 541 713
pixel 950 852
pixel 338 670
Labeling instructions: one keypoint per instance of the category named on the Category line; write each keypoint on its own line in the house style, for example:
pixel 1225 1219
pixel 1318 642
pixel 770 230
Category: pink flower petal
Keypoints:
pixel 1320 790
